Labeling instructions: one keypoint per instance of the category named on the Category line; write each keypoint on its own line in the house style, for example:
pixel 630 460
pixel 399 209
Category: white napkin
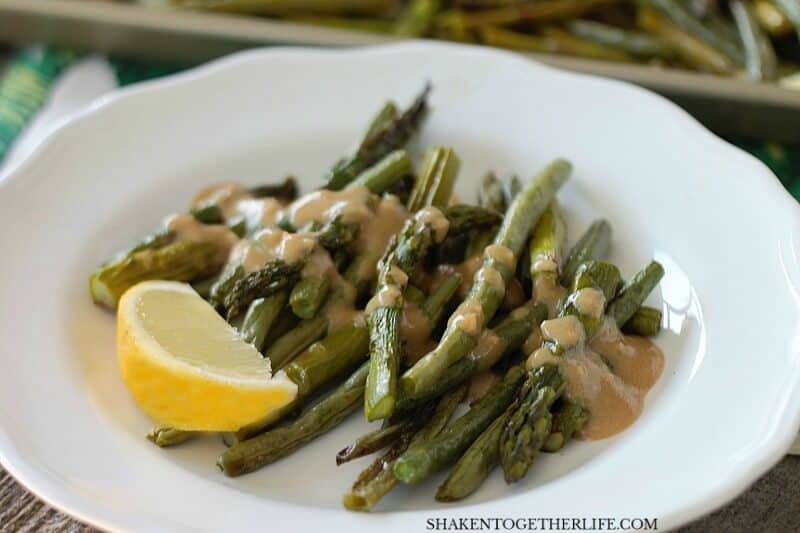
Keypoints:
pixel 77 88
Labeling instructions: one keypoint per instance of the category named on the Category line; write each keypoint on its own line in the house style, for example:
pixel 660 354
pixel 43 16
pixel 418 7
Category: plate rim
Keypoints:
pixel 55 494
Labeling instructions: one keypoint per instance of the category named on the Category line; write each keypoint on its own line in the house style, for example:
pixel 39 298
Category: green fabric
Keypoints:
pixel 26 80
pixel 130 71
pixel 24 87
pixel 783 160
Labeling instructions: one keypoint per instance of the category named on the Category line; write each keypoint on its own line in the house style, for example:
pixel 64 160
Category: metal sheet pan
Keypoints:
pixel 727 106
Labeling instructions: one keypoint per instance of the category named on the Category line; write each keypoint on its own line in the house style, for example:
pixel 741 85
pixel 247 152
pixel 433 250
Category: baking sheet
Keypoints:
pixel 727 106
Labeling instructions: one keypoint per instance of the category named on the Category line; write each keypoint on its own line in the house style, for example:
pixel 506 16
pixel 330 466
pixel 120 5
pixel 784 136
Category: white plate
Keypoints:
pixel 725 410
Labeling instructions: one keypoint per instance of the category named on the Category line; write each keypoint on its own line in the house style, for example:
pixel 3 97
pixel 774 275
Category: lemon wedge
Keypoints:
pixel 188 368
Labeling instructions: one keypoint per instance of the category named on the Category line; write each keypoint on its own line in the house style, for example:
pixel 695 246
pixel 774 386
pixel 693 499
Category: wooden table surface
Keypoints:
pixel 771 505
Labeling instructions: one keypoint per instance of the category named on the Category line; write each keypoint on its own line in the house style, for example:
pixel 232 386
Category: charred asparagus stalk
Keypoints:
pixel 286 191
pixel 545 252
pixel 372 442
pixel 420 462
pixel 435 305
pixel 274 277
pixel 646 321
pixel 294 341
pixel 179 261
pixel 260 317
pixel 488 287
pixel 252 454
pixel 475 465
pixel 337 234
pixel 688 46
pixel 385 116
pixel 791 10
pixel 593 244
pixel 683 18
pixel 328 358
pixel 495 344
pixel 417 18
pixel 323 361
pixel 634 292
pixel 545 10
pixel 308 295
pixel 418 235
pixel 639 44
pixel 568 419
pixel 382 175
pixel 288 7
pixel 759 54
pixel 380 142
pixel 491 193
pixel 434 185
pixel 378 479
pixel 167 436
pixel 529 421
pixel 553 41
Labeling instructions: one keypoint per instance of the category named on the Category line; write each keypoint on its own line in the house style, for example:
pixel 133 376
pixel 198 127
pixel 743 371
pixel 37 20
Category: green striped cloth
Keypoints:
pixel 30 73
pixel 24 87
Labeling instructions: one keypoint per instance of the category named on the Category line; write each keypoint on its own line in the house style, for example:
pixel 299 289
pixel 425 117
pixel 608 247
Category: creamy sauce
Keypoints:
pixel 548 291
pixel 489 349
pixel 225 195
pixel 398 276
pixel 378 218
pixel 541 356
pixel 492 277
pixel 502 255
pixel 341 314
pixel 590 301
pixel 415 332
pixel 435 219
pixel 545 265
pixel 259 212
pixel 351 203
pixel 388 219
pixel 236 201
pixel 387 296
pixel 610 377
pixel 375 233
pixel 480 384
pixel 271 244
pixel 567 331
pixel 637 360
pixel 186 227
pixel 468 317
pixel 519 314
pixel 466 269
pixel 515 295
pixel 340 307
pixel 533 341
pixel 613 404
pixel 320 264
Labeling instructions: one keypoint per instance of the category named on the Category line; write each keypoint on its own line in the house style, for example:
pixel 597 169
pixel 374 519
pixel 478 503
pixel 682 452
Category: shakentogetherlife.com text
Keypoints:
pixel 540 524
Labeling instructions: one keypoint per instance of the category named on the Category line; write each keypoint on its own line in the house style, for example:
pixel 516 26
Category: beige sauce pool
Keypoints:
pixel 415 332
pixel 610 377
pixel 467 269
pixel 614 396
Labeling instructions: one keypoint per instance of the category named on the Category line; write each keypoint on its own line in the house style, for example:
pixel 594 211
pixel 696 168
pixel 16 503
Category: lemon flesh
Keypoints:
pixel 188 368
